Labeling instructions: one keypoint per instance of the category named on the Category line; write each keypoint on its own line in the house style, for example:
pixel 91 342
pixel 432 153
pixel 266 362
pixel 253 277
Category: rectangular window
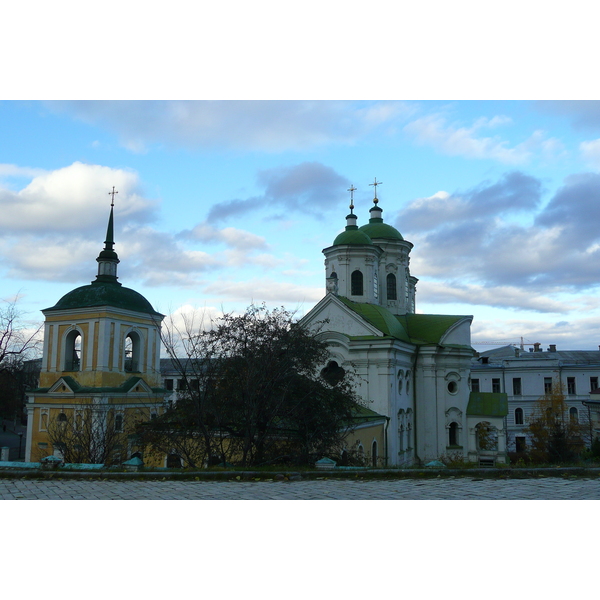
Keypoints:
pixel 44 420
pixel 547 385
pixel 571 385
pixel 474 385
pixel 169 384
pixel 593 383
pixel 516 386
pixel 181 384
pixel 521 444
pixel 495 386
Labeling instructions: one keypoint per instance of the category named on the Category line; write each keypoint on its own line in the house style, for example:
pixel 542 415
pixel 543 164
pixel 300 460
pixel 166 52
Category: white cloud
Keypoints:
pixel 433 130
pixel 267 290
pixel 270 126
pixel 73 198
pixel 590 151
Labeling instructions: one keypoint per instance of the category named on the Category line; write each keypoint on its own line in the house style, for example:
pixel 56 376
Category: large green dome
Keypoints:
pixel 377 229
pixel 104 293
pixel 352 235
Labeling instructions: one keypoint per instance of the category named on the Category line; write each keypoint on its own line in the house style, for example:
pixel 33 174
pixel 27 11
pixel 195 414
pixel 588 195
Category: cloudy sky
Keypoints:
pixel 224 203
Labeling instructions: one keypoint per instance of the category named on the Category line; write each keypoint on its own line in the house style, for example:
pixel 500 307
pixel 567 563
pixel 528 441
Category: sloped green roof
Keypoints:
pixel 415 329
pixel 362 414
pixel 428 329
pixel 379 317
pixel 487 404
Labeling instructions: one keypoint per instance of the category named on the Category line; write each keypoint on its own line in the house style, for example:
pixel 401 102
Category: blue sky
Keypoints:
pixel 222 203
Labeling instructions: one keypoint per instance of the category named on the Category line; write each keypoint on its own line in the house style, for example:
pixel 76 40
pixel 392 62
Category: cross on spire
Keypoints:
pixel 112 202
pixel 351 189
pixel 375 184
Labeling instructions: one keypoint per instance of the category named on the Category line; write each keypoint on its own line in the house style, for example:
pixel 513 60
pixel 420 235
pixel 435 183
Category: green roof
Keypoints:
pixel 379 317
pixel 352 235
pixel 77 388
pixel 104 293
pixel 487 404
pixel 420 330
pixel 377 229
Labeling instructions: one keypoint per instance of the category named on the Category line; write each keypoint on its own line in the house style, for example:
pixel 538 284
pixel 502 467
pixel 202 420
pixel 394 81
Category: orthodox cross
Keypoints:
pixel 351 189
pixel 112 203
pixel 375 184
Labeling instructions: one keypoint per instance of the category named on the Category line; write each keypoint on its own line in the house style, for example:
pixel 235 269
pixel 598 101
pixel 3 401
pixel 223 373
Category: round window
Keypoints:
pixel 452 387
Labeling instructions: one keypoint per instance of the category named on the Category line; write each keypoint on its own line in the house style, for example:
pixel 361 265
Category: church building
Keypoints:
pixel 412 368
pixel 100 371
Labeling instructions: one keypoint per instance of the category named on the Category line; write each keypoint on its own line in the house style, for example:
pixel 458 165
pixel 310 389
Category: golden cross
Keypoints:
pixel 112 203
pixel 351 189
pixel 375 184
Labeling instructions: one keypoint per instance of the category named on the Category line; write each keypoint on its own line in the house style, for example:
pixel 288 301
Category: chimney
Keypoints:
pixel 536 347
pixel 552 348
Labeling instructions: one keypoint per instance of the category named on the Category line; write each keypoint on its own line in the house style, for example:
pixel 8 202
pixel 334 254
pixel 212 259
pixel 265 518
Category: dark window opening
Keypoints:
pixel 474 385
pixel 518 416
pixel 169 384
pixel 547 385
pixel 73 351
pixel 132 353
pixel 571 389
pixel 495 386
pixel 453 434
pixel 333 373
pixel 357 283
pixel 516 386
pixel 392 293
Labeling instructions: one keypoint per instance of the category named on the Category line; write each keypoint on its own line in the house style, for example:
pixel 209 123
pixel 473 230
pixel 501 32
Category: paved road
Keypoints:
pixel 549 488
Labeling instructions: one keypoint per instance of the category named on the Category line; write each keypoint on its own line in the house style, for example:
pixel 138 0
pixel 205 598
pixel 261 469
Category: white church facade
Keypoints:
pixel 412 368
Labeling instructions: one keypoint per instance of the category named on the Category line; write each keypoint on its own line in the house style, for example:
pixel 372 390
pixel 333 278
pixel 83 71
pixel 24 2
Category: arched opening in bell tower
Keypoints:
pixel 132 352
pixel 72 351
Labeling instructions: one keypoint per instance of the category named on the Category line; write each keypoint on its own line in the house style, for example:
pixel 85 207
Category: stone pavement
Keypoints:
pixel 451 488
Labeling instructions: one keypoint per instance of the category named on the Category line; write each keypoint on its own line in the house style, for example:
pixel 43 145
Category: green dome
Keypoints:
pixel 377 229
pixel 353 235
pixel 105 293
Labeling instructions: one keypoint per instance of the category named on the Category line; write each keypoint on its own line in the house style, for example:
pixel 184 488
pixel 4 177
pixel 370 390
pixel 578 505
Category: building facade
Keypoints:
pixel 412 368
pixel 525 376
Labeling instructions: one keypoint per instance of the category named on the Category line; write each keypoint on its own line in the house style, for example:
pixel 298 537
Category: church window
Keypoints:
pixel 132 352
pixel 390 281
pixel 487 436
pixel 573 415
pixel 452 387
pixel 62 418
pixel 333 373
pixel 453 434
pixel 374 453
pixel 518 416
pixel 73 351
pixel 119 423
pixel 356 283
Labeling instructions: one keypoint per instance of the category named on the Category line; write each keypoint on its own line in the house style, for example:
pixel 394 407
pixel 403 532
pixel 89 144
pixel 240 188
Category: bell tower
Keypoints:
pixel 101 350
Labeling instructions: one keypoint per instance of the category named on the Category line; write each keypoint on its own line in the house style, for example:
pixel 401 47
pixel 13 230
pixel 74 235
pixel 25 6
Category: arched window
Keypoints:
pixel 374 453
pixel 119 423
pixel 573 414
pixel 487 436
pixel 518 416
pixel 392 293
pixel 333 373
pixel 453 434
pixel 73 351
pixel 357 283
pixel 132 352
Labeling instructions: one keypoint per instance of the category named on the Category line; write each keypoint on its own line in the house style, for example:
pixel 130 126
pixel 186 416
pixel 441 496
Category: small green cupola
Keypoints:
pixel 352 235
